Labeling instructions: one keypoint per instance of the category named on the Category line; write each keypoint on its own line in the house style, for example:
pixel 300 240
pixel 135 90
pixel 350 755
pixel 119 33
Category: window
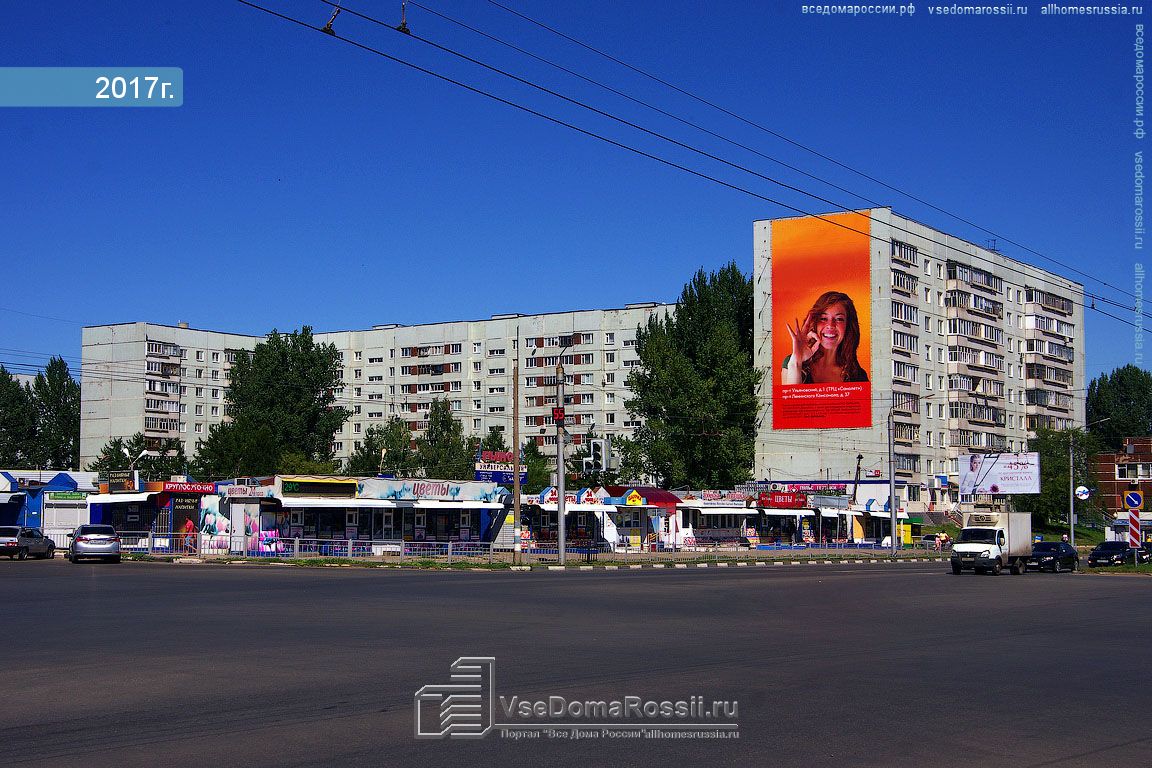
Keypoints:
pixel 199 391
pixel 199 355
pixel 609 338
pixel 199 373
pixel 356 355
pixel 496 353
pixel 477 405
pixel 356 427
pixel 357 372
pixel 609 397
pixel 609 378
pixel 477 367
pixel 476 425
pixel 905 313
pixel 905 371
pixel 477 347
pixel 903 341
pixel 495 371
pixel 215 357
pixel 215 411
pixel 216 394
pixel 215 375
pixel 199 428
pixel 610 357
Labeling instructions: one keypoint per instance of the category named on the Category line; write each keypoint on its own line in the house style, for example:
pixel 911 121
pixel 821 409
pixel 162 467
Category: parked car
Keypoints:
pixel 1053 556
pixel 96 541
pixel 20 543
pixel 1114 553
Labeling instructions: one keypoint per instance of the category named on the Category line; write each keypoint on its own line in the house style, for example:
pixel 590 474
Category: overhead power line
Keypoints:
pixel 627 147
pixel 797 144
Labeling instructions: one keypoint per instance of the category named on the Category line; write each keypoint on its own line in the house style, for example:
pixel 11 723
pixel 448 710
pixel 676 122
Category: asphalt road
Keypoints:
pixel 906 665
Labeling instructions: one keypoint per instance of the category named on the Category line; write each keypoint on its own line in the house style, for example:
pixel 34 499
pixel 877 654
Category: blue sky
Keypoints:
pixel 305 181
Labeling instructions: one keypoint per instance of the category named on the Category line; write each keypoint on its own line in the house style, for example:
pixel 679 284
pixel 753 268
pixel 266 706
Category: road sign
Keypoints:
pixel 1133 529
pixel 558 415
pixel 1134 499
pixel 1081 492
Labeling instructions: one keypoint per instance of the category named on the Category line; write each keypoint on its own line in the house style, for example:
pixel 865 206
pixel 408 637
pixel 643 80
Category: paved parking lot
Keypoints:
pixel 834 665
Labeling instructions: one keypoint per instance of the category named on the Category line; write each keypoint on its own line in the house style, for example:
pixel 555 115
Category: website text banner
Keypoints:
pixel 822 322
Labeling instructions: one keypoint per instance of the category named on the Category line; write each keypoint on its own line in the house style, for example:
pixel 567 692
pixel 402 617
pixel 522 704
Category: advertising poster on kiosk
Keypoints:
pixel 821 322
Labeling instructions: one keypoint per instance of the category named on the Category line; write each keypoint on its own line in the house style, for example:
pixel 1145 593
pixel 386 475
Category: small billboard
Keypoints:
pixel 999 473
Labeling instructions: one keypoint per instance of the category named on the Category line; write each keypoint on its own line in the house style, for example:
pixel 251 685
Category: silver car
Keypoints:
pixel 20 543
pixel 95 541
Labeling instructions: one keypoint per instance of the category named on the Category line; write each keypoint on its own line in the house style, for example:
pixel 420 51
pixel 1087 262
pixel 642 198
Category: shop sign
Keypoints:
pixel 814 487
pixel 723 498
pixel 67 496
pixel 186 506
pixel 123 480
pixel 445 490
pixel 190 487
pixel 783 500
pixel 318 487
pixel 634 499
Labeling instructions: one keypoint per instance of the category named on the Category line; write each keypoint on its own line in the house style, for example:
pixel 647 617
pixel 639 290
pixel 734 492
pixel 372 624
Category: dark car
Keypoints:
pixel 19 543
pixel 1053 556
pixel 1114 553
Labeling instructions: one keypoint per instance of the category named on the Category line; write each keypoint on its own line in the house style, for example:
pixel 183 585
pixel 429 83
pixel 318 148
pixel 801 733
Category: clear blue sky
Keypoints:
pixel 307 182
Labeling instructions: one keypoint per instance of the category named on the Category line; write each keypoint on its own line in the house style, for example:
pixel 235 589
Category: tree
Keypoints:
pixel 17 423
pixel 387 448
pixel 1050 506
pixel 281 398
pixel 159 462
pixel 539 468
pixel 442 451
pixel 695 387
pixel 494 440
pixel 56 398
pixel 1124 398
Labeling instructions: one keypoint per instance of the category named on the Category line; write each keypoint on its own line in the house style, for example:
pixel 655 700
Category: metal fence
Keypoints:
pixel 395 552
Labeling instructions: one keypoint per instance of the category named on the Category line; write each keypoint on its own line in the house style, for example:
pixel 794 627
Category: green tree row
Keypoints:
pixel 40 422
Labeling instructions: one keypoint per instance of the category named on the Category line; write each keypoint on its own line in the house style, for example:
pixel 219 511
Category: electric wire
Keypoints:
pixel 651 156
pixel 796 144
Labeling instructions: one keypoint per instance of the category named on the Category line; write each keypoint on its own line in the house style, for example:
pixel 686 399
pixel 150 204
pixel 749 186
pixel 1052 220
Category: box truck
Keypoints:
pixel 992 541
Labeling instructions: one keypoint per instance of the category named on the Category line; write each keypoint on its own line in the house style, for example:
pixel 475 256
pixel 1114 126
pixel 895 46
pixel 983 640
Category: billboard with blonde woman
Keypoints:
pixel 821 322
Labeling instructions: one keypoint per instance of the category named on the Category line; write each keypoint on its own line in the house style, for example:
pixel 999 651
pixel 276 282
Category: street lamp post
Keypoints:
pixel 1072 483
pixel 892 472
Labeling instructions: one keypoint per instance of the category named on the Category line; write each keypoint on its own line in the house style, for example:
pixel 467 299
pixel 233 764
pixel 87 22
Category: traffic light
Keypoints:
pixel 599 455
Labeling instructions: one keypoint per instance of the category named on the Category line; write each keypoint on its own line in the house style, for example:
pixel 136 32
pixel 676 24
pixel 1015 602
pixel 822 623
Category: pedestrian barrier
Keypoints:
pixel 395 552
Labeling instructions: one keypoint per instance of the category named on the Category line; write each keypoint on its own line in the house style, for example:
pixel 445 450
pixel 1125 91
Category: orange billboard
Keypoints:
pixel 822 322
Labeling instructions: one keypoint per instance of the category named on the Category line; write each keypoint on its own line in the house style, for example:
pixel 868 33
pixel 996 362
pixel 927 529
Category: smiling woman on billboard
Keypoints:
pixel 824 347
pixel 821 321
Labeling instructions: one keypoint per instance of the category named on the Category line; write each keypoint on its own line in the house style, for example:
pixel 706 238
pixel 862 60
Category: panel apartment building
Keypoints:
pixel 971 351
pixel 169 381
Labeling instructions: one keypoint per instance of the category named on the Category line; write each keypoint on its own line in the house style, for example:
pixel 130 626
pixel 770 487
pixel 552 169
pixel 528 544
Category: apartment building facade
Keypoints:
pixel 970 352
pixel 171 381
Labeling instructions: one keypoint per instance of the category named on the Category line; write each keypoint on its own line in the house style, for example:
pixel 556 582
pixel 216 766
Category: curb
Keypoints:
pixel 582 568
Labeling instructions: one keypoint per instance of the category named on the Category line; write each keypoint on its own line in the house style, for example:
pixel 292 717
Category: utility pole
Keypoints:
pixel 560 469
pixel 892 478
pixel 517 549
